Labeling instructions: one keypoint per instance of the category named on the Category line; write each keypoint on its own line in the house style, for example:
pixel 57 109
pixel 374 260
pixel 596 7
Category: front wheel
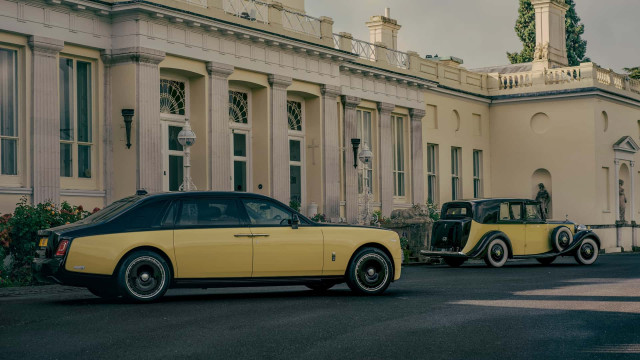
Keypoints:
pixel 454 261
pixel 587 253
pixel 370 272
pixel 497 253
pixel 144 276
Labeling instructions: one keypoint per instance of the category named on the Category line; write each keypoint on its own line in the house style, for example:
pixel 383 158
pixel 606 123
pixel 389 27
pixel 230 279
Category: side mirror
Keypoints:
pixel 295 221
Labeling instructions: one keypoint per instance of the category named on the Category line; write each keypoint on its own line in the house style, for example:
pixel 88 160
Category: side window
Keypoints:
pixel 533 212
pixel 516 211
pixel 208 212
pixel 146 216
pixel 504 212
pixel 264 212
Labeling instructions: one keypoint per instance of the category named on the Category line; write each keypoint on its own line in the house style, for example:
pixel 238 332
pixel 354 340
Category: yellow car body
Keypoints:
pixel 500 229
pixel 210 239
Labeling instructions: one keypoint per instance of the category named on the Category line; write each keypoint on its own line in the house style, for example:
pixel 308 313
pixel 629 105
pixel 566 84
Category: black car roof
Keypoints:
pixel 482 201
pixel 171 195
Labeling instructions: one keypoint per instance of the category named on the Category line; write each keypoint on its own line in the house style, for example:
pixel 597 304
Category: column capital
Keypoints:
pixel 330 90
pixel 136 54
pixel 45 46
pixel 385 108
pixel 350 101
pixel 220 70
pixel 279 81
pixel 632 163
pixel 417 114
pixel 616 161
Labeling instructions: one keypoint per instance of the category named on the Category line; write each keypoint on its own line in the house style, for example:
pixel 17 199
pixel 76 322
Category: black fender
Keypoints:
pixel 577 241
pixel 480 249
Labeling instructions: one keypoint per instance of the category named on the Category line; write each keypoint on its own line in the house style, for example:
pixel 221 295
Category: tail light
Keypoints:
pixel 63 245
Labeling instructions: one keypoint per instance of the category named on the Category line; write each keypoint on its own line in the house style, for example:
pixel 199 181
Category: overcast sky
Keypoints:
pixel 481 31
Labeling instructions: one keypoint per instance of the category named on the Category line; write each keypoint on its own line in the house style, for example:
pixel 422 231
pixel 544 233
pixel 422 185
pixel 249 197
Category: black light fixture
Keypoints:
pixel 356 144
pixel 127 114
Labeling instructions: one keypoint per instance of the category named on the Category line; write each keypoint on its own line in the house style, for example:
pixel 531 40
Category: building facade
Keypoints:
pixel 275 97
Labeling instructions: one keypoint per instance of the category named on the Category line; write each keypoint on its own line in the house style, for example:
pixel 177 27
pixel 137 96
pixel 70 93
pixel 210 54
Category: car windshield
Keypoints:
pixel 112 210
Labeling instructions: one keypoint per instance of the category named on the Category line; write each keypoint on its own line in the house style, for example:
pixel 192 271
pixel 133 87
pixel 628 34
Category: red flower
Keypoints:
pixel 95 210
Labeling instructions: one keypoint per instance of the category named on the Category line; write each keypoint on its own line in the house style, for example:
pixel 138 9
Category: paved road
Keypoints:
pixel 522 311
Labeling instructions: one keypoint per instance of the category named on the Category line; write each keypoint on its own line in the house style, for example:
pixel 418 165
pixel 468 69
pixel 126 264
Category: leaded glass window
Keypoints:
pixel 8 112
pixel 238 107
pixel 173 97
pixel 294 114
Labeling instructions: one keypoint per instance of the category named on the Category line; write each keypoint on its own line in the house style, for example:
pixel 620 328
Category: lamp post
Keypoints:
pixel 186 138
pixel 365 157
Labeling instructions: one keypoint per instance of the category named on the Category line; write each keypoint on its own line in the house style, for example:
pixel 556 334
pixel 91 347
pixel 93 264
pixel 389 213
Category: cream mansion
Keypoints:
pixel 275 97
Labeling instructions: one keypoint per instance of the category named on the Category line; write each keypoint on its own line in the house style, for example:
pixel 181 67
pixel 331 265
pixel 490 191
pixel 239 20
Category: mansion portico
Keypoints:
pixel 275 98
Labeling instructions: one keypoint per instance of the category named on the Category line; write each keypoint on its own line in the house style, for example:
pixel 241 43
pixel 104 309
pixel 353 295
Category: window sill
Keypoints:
pixel 87 193
pixel 16 190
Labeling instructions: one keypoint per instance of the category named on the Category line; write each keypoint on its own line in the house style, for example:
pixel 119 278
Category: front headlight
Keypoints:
pixel 581 228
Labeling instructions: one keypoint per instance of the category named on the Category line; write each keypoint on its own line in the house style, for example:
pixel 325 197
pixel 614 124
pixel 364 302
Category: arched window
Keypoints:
pixel 295 116
pixel 240 124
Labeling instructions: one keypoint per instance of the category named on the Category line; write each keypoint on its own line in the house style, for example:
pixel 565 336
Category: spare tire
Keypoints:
pixel 561 238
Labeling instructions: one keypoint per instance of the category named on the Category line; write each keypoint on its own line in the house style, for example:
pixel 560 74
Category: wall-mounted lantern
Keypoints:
pixel 127 114
pixel 356 144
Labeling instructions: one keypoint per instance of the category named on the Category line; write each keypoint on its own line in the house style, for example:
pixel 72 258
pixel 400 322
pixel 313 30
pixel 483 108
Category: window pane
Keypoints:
pixel 264 212
pixel 533 212
pixel 401 184
pixel 175 172
pixel 238 107
pixel 172 97
pixel 173 138
pixel 294 150
pixel 240 145
pixel 66 99
pixel 65 160
pixel 84 101
pixel 294 114
pixel 84 161
pixel 240 176
pixel 209 212
pixel 9 152
pixel 295 173
pixel 8 93
pixel 400 143
pixel 516 211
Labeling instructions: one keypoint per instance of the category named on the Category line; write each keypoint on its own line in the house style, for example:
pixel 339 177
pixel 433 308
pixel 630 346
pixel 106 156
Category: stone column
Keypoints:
pixel 107 141
pixel 45 119
pixel 632 207
pixel 218 134
pixel 386 157
pixel 616 202
pixel 330 151
pixel 148 136
pixel 280 187
pixel 417 165
pixel 350 173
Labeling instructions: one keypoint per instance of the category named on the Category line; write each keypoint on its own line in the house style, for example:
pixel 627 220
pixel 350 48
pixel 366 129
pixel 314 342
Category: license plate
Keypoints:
pixel 43 242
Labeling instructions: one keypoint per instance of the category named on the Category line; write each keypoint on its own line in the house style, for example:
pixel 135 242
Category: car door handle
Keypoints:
pixel 243 235
pixel 260 235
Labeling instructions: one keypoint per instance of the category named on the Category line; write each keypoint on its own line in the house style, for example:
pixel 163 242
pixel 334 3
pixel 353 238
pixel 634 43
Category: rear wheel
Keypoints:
pixel 104 292
pixel 370 272
pixel 454 261
pixel 587 253
pixel 547 260
pixel 144 276
pixel 497 253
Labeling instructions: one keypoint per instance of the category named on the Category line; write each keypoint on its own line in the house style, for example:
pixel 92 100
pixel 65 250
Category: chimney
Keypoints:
pixel 551 43
pixel 384 29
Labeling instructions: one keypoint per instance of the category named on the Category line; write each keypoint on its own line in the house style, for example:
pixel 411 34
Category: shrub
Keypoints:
pixel 295 205
pixel 19 235
pixel 319 218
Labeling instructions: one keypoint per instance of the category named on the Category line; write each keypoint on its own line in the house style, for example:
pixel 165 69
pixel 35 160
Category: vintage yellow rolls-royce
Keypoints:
pixel 500 229
pixel 141 245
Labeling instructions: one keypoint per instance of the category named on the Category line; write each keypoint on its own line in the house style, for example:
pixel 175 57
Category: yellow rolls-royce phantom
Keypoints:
pixel 140 246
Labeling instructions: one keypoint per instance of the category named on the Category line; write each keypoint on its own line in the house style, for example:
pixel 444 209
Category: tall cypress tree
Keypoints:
pixel 526 31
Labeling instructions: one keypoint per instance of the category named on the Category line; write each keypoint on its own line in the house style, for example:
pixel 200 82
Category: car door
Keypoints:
pixel 211 239
pixel 511 223
pixel 278 248
pixel 537 239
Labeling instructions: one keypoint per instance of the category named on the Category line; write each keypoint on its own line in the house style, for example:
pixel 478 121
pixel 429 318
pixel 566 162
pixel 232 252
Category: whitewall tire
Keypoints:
pixel 497 253
pixel 587 253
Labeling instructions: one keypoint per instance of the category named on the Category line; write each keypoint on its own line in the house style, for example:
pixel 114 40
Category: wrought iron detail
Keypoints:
pixel 238 107
pixel 294 114
pixel 172 97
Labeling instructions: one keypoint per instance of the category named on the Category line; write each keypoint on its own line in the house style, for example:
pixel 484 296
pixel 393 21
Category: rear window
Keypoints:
pixel 112 210
pixel 456 211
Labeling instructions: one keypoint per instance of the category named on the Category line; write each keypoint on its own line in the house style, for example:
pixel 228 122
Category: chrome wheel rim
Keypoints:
pixel 587 251
pixel 563 240
pixel 372 272
pixel 497 252
pixel 145 277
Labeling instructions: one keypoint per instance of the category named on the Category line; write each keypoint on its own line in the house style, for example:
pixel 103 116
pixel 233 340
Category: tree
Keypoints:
pixel 526 30
pixel 633 72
